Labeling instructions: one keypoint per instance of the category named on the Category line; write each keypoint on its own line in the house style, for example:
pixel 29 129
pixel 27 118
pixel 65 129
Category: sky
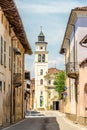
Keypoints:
pixel 53 16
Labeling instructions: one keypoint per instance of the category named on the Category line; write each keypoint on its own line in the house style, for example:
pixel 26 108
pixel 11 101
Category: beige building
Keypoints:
pixel 52 95
pixel 13 46
pixel 74 55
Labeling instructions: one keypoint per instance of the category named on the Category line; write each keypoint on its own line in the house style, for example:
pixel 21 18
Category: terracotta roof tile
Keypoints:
pixel 84 8
pixel 53 70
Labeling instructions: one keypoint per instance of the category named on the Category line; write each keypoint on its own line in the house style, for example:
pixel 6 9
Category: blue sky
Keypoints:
pixel 53 16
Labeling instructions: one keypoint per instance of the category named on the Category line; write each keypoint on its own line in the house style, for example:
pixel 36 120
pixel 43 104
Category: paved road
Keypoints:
pixel 53 120
pixel 63 122
pixel 36 123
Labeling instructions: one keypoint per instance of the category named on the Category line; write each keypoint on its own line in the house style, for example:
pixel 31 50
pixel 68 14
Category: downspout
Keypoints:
pixel 74 50
pixel 75 63
pixel 23 101
pixel 11 98
pixel 74 46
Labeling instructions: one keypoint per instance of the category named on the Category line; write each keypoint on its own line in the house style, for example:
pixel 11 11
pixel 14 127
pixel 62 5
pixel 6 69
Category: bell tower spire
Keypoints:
pixel 41 37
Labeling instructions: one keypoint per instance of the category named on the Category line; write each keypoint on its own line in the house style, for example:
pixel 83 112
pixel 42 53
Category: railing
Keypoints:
pixel 17 79
pixel 72 69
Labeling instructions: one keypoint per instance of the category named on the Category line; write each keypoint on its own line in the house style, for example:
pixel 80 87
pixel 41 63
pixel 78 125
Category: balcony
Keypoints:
pixel 17 79
pixel 72 69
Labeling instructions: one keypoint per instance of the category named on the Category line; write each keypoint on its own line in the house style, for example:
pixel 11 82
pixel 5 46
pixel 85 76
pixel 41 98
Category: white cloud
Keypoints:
pixel 49 7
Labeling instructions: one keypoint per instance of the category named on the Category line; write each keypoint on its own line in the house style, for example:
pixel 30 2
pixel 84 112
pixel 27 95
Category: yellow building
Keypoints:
pixel 13 46
pixel 52 95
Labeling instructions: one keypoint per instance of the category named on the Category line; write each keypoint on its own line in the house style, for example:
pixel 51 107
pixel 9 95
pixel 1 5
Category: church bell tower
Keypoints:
pixel 41 68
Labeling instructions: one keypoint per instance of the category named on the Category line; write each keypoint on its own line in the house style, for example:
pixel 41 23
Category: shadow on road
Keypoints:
pixel 50 123
pixel 43 123
pixel 36 123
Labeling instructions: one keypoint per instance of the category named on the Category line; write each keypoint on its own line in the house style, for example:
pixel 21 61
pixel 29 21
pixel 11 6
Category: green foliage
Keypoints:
pixel 59 83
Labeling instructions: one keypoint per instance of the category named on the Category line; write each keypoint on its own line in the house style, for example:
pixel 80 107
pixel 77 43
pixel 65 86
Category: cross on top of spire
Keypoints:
pixel 41 28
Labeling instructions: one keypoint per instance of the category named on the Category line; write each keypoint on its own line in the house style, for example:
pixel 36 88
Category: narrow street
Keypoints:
pixel 52 120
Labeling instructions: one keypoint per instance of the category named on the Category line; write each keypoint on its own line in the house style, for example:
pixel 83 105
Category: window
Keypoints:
pixel 41 72
pixel 1 86
pixel 1 51
pixel 43 57
pixel 9 58
pixel 4 87
pixel 41 101
pixel 41 81
pixel 2 18
pixel 20 67
pixel 49 82
pixel 4 53
pixel 41 47
pixel 18 63
pixel 39 58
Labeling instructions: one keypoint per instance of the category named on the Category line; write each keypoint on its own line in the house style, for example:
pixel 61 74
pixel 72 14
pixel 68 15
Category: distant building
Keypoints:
pixel 52 95
pixel 41 68
pixel 32 94
pixel 26 90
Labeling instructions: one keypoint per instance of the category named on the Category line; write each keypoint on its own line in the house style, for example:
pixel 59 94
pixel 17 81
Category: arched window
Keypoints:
pixel 39 58
pixel 43 57
pixel 41 72
pixel 41 99
pixel 85 88
pixel 41 81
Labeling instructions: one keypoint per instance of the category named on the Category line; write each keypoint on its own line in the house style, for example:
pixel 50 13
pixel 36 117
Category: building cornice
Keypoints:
pixel 77 12
pixel 12 15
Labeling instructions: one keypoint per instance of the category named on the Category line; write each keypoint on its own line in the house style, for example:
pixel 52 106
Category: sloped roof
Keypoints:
pixel 84 8
pixel 11 13
pixel 70 24
pixel 53 70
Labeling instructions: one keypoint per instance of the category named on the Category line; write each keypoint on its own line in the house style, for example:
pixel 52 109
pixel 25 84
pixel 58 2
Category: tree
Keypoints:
pixel 59 83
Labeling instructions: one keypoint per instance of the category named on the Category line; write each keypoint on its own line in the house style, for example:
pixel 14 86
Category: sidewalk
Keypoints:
pixel 59 114
pixel 75 123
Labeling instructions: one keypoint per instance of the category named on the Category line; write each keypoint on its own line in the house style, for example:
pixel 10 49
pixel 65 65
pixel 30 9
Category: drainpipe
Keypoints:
pixel 75 62
pixel 11 98
pixel 74 46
